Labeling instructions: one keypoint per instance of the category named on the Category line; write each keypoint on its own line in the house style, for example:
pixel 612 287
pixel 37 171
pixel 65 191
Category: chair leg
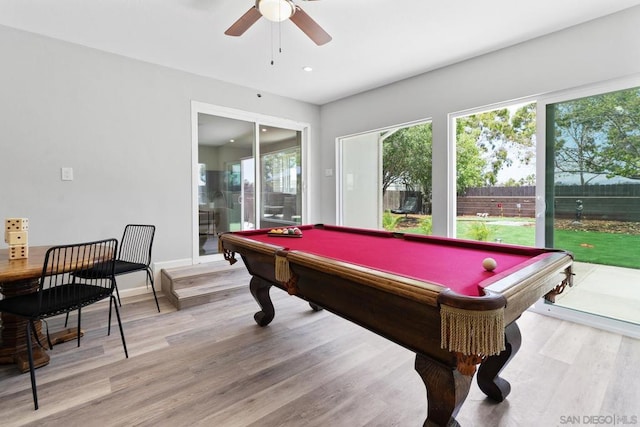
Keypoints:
pixel 79 317
pixel 32 370
pixel 124 344
pixel 118 294
pixel 66 320
pixel 111 303
pixel 153 288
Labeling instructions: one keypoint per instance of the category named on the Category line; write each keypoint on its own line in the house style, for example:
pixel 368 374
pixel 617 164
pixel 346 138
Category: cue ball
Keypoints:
pixel 489 264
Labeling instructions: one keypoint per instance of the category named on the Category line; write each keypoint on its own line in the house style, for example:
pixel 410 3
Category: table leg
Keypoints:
pixel 447 389
pixel 489 381
pixel 260 291
pixel 65 335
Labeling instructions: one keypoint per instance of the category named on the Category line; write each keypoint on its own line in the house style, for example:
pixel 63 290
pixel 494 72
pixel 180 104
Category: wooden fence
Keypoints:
pixel 619 202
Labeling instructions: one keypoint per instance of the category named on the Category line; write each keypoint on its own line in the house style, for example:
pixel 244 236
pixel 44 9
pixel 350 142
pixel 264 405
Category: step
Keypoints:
pixel 202 283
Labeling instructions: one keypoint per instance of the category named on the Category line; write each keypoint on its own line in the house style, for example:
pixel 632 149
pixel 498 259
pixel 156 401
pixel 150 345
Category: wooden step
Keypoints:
pixel 200 284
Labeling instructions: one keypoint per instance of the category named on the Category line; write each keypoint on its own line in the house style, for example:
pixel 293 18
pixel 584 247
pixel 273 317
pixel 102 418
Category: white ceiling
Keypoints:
pixel 375 42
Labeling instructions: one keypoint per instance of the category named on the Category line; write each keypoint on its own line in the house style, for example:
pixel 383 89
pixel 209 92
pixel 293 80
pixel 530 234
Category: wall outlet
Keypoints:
pixel 67 174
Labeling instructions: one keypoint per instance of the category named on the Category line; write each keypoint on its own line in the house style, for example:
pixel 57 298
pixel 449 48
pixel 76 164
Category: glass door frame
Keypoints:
pixel 594 320
pixel 257 119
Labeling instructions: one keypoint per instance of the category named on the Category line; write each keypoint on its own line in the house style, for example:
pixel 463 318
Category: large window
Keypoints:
pixel 385 179
pixel 495 174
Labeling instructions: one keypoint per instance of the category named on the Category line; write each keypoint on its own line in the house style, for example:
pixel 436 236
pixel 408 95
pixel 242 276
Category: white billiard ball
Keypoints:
pixel 489 264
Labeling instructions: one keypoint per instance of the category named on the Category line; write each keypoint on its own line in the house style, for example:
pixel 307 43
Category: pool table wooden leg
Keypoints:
pixel 447 389
pixel 489 381
pixel 315 307
pixel 260 291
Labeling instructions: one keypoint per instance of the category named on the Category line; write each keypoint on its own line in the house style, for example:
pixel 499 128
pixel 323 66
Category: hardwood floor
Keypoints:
pixel 211 365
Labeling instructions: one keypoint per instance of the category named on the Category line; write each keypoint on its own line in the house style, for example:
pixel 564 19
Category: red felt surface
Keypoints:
pixel 450 263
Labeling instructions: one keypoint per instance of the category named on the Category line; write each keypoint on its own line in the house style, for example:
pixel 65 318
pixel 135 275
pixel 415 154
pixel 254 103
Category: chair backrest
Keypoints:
pixel 136 243
pixel 410 203
pixel 76 275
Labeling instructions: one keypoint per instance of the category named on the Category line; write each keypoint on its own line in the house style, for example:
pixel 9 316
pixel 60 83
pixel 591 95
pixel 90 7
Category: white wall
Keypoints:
pixel 125 128
pixel 604 49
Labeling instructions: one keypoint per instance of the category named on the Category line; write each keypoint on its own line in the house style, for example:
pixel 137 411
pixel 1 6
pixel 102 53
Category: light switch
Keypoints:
pixel 328 172
pixel 67 174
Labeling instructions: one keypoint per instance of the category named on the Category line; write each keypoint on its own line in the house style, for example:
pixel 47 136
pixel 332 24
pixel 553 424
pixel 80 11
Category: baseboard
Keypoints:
pixel 158 266
pixel 138 290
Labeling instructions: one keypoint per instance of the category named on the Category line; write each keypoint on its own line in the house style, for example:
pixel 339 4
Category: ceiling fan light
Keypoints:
pixel 276 10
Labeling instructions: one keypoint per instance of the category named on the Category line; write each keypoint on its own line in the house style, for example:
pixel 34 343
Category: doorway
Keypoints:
pixel 235 153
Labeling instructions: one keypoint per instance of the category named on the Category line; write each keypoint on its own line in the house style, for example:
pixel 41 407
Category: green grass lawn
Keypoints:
pixel 621 250
pixel 511 234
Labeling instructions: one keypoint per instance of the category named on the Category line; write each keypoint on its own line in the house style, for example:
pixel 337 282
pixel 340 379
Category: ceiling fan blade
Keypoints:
pixel 244 23
pixel 310 27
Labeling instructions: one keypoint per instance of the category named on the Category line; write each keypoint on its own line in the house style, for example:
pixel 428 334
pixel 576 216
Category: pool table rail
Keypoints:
pixel 548 275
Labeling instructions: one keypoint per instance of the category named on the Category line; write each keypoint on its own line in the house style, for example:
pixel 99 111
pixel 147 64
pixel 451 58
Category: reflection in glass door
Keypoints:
pixel 281 177
pixel 223 145
pixel 593 200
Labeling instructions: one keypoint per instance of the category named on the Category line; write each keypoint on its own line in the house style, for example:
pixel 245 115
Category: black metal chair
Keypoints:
pixel 410 206
pixel 73 276
pixel 135 254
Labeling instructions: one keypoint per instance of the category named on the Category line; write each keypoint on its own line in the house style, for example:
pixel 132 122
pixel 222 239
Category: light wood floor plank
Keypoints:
pixel 211 365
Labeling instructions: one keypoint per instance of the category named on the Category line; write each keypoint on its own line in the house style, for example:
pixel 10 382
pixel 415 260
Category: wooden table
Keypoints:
pixel 17 277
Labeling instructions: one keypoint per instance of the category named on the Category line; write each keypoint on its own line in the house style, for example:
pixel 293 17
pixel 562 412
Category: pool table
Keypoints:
pixel 428 294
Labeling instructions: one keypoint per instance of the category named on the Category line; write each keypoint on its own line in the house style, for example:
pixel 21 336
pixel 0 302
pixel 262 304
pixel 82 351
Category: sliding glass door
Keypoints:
pixel 593 199
pixel 223 145
pixel 281 177
pixel 238 153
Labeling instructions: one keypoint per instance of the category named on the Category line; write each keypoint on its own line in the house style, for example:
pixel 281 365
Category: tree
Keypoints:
pixel 394 161
pixel 406 158
pixel 621 110
pixel 488 142
pixel 577 130
pixel 599 135
pixel 469 161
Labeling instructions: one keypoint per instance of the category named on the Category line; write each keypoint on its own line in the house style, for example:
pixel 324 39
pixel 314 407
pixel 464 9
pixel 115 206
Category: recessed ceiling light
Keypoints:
pixel 232 140
pixel 307 68
pixel 264 129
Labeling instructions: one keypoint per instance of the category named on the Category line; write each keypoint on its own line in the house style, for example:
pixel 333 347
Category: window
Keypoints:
pixel 385 179
pixel 495 174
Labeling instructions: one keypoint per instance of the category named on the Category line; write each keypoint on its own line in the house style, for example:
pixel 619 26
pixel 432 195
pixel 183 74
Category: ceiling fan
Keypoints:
pixel 278 11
